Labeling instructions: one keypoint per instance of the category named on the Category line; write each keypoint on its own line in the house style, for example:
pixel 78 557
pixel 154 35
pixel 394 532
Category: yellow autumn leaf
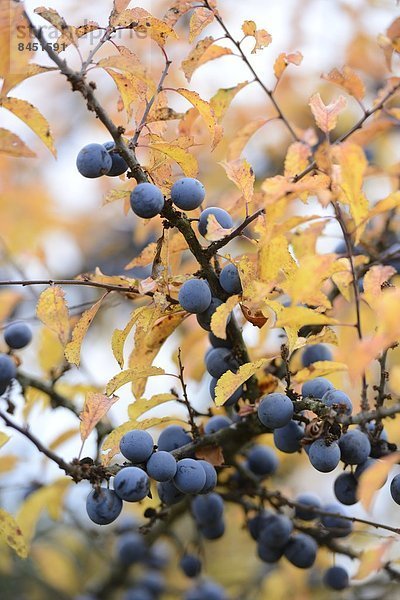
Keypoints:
pixel 152 330
pixel 373 280
pixel 56 568
pixel 53 17
pixel 372 559
pixel 110 445
pixel 73 348
pixel 129 376
pixel 389 203
pixel 12 145
pixel 372 479
pixel 34 397
pixel 52 310
pixel 13 79
pixel 141 406
pixel 303 285
pixel 131 88
pixel 326 116
pixel 320 368
pixel 143 22
pixel 72 34
pixel 96 406
pixel 8 462
pixel 119 336
pixel 353 166
pixel 49 498
pixel 348 80
pixel 229 382
pixel 298 316
pixel 214 230
pixel 186 161
pixel 129 63
pixel 206 112
pixel 261 36
pixel 63 437
pixel 241 173
pixel 297 158
pixel 118 194
pixel 274 257
pixel 3 438
pixel 9 299
pixel 221 101
pixel 50 352
pixel 284 60
pixel 32 117
pixel 220 317
pixel 204 51
pixel 201 17
pixel 118 7
pixel 241 138
pixel 10 532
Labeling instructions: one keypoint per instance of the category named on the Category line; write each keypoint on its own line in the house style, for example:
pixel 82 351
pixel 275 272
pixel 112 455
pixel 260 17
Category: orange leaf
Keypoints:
pixel 201 17
pixel 203 52
pixel 372 559
pixel 241 138
pixel 348 80
pixel 284 59
pixel 95 408
pixel 326 116
pixel 261 36
pixel 12 145
pixel 212 454
pixel 143 22
pixel 373 280
pixel 206 112
pixel 241 173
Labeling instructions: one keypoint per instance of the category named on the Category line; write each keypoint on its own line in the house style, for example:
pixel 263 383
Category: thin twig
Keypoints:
pixel 346 236
pixel 360 123
pixel 129 289
pixel 150 103
pixel 186 401
pixel 253 72
pixel 49 453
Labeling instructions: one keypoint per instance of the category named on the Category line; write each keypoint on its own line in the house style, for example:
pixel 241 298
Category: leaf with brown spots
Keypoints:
pixel 11 533
pixel 95 408
pixel 52 310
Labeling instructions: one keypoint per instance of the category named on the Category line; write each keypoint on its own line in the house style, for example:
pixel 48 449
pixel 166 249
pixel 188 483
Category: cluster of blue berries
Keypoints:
pixel 275 538
pixel 95 160
pixel 132 483
pixel 17 336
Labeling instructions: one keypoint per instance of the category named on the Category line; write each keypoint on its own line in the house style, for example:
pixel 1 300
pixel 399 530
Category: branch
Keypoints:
pixel 129 289
pixel 150 103
pixel 283 501
pixel 191 412
pixel 346 236
pixel 269 93
pixel 79 83
pixel 372 415
pixel 360 123
pixel 51 455
pixel 57 400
